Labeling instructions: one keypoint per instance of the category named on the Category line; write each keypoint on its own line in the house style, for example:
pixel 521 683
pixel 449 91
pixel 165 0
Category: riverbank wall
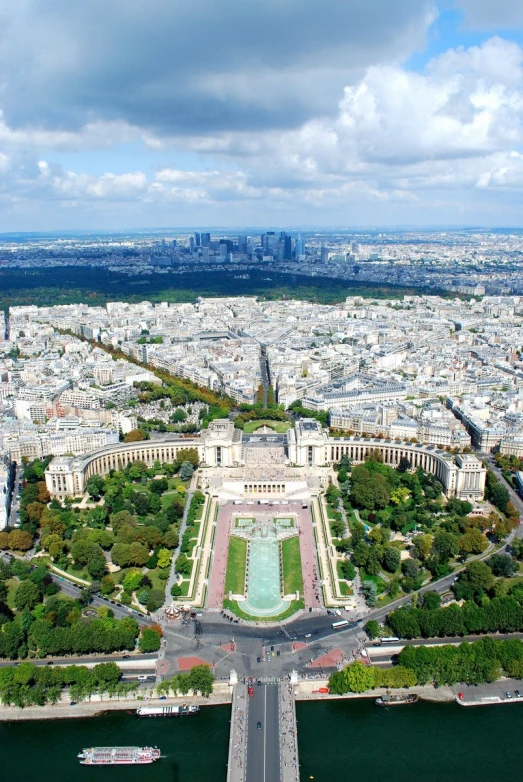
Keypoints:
pixel 222 695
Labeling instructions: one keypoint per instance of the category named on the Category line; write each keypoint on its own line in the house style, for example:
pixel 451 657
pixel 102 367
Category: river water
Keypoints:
pixel 339 741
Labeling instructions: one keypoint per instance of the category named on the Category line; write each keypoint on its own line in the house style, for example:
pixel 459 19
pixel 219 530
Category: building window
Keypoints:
pixel 218 456
pixel 309 458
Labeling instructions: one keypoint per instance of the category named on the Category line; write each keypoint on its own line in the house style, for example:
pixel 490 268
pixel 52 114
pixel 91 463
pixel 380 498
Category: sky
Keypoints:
pixel 129 114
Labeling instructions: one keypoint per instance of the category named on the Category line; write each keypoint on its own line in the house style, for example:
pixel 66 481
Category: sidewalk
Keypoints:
pixel 289 765
pixel 237 764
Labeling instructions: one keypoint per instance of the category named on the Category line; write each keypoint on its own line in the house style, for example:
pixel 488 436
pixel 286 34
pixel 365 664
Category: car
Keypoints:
pixel 199 613
pixel 315 632
pixel 508 694
pixel 250 691
pixel 72 703
pixel 163 697
pixel 258 725
pixel 49 662
pixel 126 657
pixel 517 693
pixel 308 635
pixel 142 678
pixel 280 632
pixel 258 659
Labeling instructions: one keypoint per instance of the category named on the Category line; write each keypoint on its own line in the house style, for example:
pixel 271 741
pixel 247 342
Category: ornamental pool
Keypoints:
pixel 263 585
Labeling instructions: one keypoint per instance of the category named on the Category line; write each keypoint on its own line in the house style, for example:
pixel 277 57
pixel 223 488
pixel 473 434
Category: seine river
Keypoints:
pixel 338 742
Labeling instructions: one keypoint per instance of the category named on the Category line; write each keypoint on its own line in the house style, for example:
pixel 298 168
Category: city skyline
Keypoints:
pixel 134 116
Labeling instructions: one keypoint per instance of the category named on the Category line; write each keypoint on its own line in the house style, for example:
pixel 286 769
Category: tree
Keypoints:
pixel 183 565
pixel 358 677
pixel 188 455
pixel 20 540
pixel 472 542
pixel 156 600
pixel 474 581
pixel 201 679
pixel 159 485
pixel 431 600
pixel 135 435
pixel 107 585
pixel 164 558
pixel 372 628
pixel 27 595
pixel 502 565
pixel 186 471
pixel 500 497
pixel 391 559
pixel 404 464
pixel 446 545
pixel 423 546
pixel 370 590
pixel 132 580
pixel 348 570
pixel 149 641
pixel 94 485
pixel 176 590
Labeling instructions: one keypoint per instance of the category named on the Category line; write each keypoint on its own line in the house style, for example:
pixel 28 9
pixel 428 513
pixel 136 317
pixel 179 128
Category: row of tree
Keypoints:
pixel 30 684
pixel 472 663
pixel 357 677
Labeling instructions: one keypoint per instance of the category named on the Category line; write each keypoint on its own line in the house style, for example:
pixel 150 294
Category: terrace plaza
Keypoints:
pixel 262 490
pixel 264 466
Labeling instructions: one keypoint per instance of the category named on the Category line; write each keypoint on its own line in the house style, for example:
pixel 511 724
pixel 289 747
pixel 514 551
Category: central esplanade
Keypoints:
pixel 268 464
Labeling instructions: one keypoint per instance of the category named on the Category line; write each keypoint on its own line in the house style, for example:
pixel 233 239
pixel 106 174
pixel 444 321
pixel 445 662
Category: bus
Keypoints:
pixel 390 640
pixel 341 623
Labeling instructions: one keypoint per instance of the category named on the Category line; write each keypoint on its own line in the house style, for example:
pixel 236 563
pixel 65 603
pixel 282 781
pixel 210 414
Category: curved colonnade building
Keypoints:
pixel 306 445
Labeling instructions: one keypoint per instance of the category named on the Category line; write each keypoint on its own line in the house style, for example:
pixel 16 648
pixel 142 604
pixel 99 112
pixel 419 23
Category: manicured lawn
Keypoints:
pixel 345 589
pixel 12 586
pixel 82 573
pixel 234 607
pixel 278 426
pixel 185 588
pixel 331 513
pixel 156 581
pixel 236 563
pixel 196 529
pixel 292 574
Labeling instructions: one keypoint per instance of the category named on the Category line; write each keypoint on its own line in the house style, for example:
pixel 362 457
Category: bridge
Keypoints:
pixel 263 744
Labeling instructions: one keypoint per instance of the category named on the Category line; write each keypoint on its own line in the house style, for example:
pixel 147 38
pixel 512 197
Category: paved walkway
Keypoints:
pixel 289 764
pixel 236 769
pixel 215 593
pixel 173 577
pixel 311 582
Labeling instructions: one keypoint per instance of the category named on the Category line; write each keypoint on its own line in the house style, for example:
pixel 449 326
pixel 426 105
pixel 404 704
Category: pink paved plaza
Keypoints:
pixel 264 512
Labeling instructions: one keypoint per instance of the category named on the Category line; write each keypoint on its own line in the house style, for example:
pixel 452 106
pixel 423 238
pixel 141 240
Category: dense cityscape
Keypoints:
pixel 261 390
pixel 468 262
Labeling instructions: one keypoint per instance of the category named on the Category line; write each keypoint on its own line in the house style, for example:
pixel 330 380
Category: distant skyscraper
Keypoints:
pixel 242 243
pixel 191 244
pixel 287 247
pixel 299 248
pixel 205 239
pixel 324 254
pixel 197 239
